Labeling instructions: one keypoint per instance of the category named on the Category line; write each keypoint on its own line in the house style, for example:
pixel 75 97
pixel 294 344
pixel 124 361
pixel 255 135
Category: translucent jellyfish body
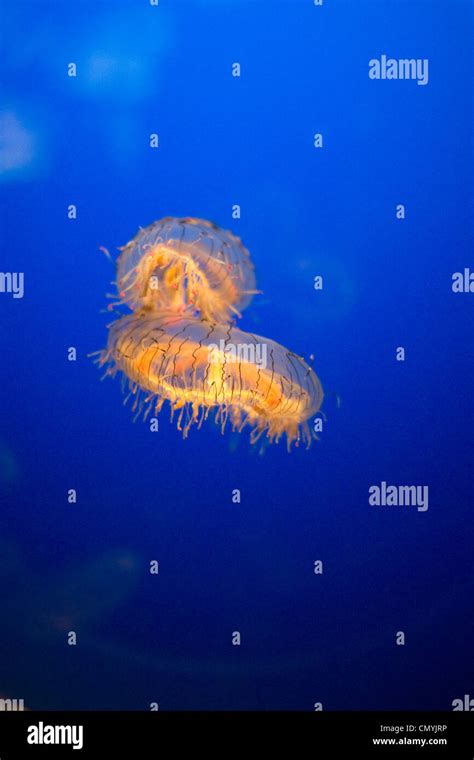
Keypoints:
pixel 198 366
pixel 186 265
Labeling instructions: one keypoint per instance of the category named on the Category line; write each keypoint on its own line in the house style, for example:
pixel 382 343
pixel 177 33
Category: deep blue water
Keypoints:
pixel 245 567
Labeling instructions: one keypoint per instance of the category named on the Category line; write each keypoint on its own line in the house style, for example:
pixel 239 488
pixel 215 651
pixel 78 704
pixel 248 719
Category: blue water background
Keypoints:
pixel 245 567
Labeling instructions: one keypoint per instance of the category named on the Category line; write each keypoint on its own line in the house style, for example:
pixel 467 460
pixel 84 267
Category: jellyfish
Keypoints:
pixel 198 366
pixel 186 280
pixel 186 265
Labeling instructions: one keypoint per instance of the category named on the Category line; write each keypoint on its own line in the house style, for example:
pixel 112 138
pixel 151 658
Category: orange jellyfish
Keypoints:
pixel 186 265
pixel 198 366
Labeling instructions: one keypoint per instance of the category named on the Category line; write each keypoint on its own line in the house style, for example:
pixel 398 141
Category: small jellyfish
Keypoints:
pixel 198 366
pixel 186 265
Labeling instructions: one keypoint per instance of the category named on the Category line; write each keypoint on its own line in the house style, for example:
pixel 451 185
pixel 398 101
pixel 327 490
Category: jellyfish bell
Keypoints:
pixel 186 265
pixel 199 366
